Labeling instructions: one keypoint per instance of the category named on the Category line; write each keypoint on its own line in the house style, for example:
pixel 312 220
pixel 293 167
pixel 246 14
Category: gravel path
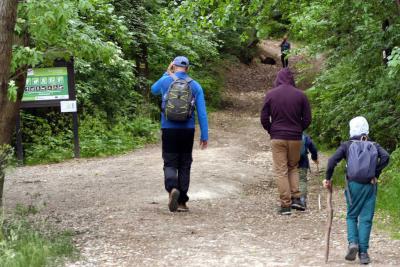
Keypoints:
pixel 117 206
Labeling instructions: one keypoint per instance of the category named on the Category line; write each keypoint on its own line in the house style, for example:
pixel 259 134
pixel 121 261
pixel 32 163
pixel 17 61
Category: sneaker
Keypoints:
pixel 352 252
pixel 173 200
pixel 183 207
pixel 364 258
pixel 303 201
pixel 297 205
pixel 285 211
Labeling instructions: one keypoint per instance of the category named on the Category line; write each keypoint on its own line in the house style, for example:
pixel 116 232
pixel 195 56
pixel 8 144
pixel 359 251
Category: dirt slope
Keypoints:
pixel 117 206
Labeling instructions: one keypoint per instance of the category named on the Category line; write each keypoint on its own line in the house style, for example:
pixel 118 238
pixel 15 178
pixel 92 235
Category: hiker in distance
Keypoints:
pixel 285 115
pixel 285 48
pixel 180 96
pixel 365 161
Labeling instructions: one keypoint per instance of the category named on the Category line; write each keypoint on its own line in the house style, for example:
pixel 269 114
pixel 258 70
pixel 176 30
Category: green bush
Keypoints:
pixel 212 82
pixel 343 92
pixel 389 189
pixel 98 140
pixel 23 243
pixel 49 142
pixel 339 175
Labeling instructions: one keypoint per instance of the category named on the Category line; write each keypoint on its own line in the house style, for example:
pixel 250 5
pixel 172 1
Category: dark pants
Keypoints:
pixel 285 61
pixel 177 146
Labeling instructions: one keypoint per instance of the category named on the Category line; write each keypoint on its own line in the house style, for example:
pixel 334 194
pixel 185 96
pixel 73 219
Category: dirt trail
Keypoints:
pixel 117 206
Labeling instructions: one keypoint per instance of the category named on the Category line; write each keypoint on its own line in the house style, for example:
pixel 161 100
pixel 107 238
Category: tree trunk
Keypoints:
pixel 142 69
pixel 8 14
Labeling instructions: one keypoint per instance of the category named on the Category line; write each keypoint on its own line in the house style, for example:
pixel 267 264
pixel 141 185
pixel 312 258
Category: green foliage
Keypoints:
pixel 389 189
pixel 50 139
pixel 23 243
pixel 12 91
pixel 6 153
pixel 97 140
pixel 107 88
pixel 342 93
pixel 394 62
pixel 202 28
pixel 355 81
pixel 211 81
pixel 61 29
pixel 339 175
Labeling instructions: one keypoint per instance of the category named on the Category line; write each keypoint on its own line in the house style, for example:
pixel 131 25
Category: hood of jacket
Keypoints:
pixel 285 76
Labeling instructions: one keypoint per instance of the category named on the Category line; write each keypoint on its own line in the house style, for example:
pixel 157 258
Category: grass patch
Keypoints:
pixel 24 243
pixel 388 223
pixel 388 196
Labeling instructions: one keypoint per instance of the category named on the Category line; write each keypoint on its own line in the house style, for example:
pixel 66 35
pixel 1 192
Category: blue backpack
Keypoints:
pixel 362 158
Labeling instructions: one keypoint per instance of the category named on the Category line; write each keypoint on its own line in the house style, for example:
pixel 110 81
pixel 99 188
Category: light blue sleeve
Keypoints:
pixel 156 88
pixel 201 112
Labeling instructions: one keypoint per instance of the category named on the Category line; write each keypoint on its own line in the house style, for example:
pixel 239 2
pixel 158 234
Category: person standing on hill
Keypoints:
pixel 180 96
pixel 285 49
pixel 285 115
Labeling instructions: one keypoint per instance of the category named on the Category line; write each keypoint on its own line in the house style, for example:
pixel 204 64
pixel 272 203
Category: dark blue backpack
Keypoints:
pixel 362 158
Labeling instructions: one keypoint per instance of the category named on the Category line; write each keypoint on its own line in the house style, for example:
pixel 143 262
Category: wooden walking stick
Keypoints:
pixel 329 223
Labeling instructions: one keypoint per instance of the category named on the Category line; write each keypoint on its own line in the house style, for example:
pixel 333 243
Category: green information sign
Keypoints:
pixel 46 84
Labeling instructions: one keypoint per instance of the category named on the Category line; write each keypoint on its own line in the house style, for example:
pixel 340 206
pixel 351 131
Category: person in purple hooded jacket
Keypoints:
pixel 285 115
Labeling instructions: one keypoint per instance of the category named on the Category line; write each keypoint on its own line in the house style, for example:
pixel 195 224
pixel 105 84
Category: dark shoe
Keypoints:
pixel 364 258
pixel 285 211
pixel 183 207
pixel 352 252
pixel 173 200
pixel 303 201
pixel 297 205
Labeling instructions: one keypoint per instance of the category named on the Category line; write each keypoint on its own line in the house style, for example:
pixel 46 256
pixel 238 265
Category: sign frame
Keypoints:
pixel 56 102
pixel 52 103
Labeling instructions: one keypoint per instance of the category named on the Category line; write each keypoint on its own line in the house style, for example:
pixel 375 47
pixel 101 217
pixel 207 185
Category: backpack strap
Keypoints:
pixel 187 79
pixel 173 76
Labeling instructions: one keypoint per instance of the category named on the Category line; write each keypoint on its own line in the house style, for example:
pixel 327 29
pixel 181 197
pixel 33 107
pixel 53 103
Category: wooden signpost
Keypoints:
pixel 50 87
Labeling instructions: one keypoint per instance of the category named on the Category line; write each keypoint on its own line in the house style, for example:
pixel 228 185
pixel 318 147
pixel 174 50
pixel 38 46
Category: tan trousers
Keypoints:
pixel 286 156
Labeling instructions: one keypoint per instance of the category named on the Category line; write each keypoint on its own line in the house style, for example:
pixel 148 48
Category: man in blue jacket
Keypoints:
pixel 178 137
